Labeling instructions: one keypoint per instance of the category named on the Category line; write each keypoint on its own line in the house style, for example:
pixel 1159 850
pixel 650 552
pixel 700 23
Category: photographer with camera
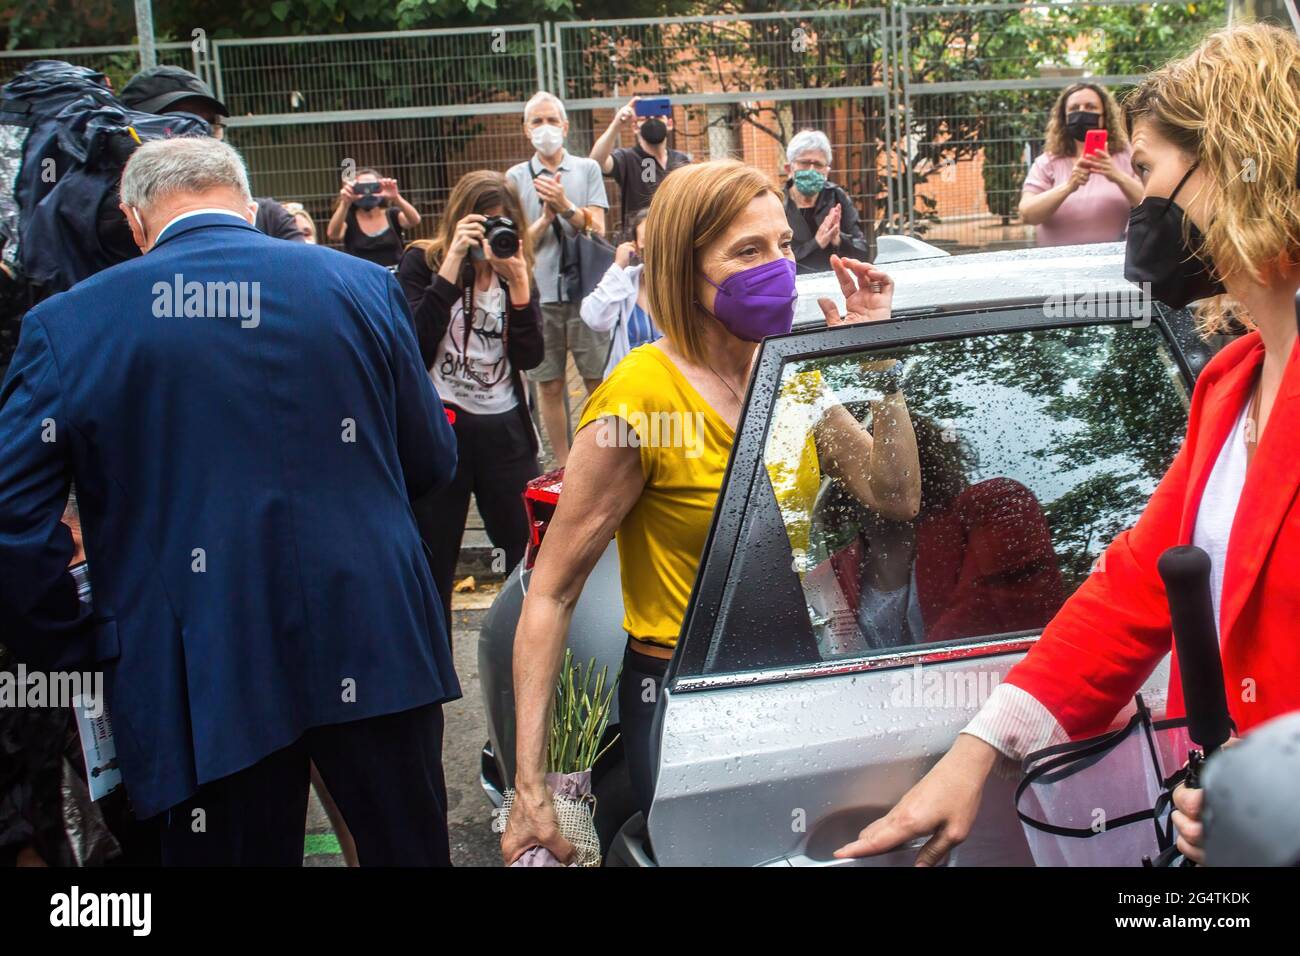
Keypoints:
pixel 370 217
pixel 479 325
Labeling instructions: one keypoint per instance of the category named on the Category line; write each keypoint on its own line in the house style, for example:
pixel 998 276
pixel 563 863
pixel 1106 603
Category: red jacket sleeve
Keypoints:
pixel 1109 636
pixel 1103 644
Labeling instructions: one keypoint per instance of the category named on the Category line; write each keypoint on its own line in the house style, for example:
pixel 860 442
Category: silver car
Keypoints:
pixel 804 699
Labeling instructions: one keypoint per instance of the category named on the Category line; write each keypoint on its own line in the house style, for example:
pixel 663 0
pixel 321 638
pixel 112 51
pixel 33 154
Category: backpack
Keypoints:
pixel 64 139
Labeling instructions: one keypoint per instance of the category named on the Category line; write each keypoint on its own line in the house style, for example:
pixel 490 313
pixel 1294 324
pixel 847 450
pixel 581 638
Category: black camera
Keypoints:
pixel 502 236
pixel 367 194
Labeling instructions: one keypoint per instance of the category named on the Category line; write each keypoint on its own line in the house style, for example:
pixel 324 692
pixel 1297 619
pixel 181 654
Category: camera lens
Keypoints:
pixel 502 238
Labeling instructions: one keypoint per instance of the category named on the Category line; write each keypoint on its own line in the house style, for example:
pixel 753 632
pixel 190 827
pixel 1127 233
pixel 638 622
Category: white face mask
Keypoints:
pixel 547 140
pixel 140 222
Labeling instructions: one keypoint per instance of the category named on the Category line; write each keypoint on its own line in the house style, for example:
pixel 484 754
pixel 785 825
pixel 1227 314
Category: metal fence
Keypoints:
pixel 741 86
pixel 978 83
pixel 934 110
pixel 118 62
pixel 423 106
pixel 418 70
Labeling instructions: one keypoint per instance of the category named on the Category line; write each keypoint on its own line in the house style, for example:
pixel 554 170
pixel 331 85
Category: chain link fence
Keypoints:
pixel 119 63
pixel 424 107
pixel 934 111
pixel 978 83
pixel 741 86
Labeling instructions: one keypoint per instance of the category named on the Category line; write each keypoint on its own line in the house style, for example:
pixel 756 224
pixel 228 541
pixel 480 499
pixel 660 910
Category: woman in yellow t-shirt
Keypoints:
pixel 652 446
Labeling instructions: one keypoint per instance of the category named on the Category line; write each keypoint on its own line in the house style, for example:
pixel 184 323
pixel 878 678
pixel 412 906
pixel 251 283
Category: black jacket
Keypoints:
pixel 432 299
pixel 276 221
pixel 811 257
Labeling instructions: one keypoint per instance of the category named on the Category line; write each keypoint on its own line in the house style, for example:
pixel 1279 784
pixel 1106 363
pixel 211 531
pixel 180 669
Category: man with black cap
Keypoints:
pixel 173 89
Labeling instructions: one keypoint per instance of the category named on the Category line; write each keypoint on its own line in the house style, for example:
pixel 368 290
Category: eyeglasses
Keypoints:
pixel 816 164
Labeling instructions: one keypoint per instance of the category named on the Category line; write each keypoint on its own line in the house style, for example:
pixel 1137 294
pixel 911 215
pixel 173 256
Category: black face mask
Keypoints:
pixel 1078 122
pixel 654 131
pixel 1155 253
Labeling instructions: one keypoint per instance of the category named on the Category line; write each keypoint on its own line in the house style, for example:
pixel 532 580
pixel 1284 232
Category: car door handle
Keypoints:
pixel 832 832
pixel 904 855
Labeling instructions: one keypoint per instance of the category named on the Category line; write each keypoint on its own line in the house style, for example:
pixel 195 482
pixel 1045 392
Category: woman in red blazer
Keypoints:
pixel 1216 145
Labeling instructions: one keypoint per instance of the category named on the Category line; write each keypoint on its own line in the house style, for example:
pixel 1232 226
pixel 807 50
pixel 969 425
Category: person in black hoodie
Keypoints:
pixel 476 368
pixel 821 214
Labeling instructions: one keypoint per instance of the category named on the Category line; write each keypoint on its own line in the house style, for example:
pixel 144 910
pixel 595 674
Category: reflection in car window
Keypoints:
pixel 1033 448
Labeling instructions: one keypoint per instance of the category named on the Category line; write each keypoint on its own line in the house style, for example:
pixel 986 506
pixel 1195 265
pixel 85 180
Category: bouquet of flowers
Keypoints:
pixel 579 716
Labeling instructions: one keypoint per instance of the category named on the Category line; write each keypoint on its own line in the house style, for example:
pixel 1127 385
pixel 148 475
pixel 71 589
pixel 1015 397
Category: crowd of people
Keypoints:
pixel 272 504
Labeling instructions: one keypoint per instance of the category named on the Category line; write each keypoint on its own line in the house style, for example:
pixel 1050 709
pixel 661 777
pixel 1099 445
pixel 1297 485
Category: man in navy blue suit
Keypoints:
pixel 246 422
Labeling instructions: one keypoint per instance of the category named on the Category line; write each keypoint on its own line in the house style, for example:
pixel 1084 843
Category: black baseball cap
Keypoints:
pixel 155 89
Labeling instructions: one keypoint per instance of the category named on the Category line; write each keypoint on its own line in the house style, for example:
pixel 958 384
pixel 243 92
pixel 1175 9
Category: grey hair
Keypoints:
pixel 182 164
pixel 805 140
pixel 544 97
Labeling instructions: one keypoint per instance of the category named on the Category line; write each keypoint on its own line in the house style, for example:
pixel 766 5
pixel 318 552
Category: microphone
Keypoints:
pixel 1186 573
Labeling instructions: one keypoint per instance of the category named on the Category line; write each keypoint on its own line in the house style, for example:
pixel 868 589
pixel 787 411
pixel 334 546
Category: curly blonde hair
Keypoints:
pixel 1232 107
pixel 1059 142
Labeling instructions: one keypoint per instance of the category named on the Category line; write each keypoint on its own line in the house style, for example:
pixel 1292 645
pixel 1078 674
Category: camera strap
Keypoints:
pixel 467 280
pixel 566 260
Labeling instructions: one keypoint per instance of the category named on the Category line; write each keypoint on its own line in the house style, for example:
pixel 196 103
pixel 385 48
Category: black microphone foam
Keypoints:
pixel 1186 573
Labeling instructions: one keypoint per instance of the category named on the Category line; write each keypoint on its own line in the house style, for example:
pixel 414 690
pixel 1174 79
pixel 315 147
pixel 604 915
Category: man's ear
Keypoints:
pixel 138 235
pixel 251 210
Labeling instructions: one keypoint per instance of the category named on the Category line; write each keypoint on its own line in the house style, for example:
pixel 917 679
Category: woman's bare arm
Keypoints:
pixel 1036 208
pixel 602 482
pixel 885 476
pixel 881 470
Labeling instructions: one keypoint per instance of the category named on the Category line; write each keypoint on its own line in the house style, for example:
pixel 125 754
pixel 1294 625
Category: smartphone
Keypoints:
pixel 1094 141
pixel 367 188
pixel 657 106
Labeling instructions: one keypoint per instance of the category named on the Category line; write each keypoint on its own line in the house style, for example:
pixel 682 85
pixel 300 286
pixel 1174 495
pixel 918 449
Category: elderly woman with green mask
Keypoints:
pixel 821 214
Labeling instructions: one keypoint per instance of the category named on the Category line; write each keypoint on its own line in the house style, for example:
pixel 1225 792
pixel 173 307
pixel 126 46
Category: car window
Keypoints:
pixel 943 491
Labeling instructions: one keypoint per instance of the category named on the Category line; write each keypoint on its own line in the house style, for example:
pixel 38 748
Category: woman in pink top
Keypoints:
pixel 1072 197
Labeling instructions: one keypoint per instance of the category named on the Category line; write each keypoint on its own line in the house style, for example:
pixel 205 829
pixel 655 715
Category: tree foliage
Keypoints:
pixel 963 42
pixel 59 23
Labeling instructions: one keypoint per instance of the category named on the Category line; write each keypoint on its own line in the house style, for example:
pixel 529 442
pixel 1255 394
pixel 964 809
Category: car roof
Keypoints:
pixel 982 280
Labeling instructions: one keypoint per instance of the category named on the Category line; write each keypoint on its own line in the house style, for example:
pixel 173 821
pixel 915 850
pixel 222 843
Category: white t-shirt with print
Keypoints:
pixel 472 371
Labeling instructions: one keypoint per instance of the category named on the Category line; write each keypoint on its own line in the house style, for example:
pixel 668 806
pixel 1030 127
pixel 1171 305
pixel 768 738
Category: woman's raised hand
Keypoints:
pixel 868 293
pixel 469 233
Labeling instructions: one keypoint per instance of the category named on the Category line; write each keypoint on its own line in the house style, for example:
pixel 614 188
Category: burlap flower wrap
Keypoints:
pixel 574 808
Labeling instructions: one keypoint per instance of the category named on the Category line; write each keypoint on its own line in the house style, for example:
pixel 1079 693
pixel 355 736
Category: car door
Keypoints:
pixel 830 655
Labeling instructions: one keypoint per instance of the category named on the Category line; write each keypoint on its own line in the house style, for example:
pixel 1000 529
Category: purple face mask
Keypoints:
pixel 756 302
